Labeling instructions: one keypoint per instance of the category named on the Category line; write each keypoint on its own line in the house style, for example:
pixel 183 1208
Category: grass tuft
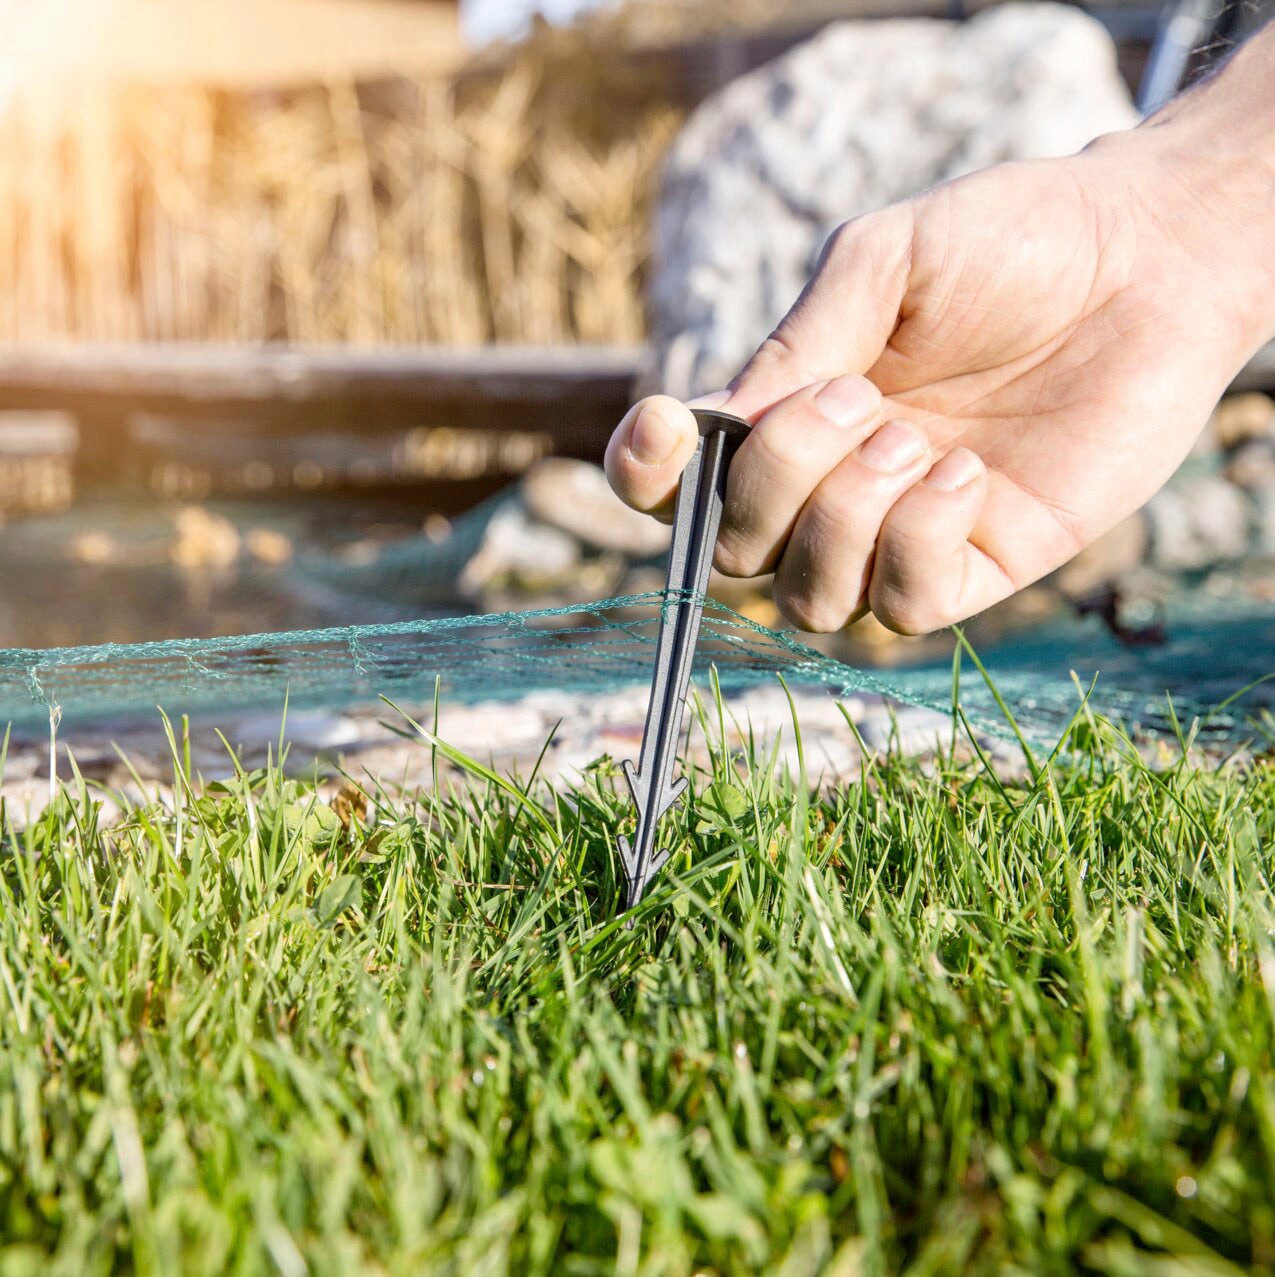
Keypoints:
pixel 933 1021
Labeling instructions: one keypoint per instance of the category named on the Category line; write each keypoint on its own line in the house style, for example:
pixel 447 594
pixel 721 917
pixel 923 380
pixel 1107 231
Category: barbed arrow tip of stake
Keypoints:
pixel 695 522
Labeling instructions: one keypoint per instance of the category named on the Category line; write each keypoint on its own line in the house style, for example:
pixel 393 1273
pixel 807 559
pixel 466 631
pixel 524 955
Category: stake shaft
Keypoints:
pixel 696 520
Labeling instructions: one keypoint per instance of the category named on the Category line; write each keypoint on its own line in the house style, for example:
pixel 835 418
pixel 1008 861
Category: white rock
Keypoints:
pixel 864 114
pixel 516 546
pixel 576 498
pixel 1197 522
pixel 912 728
pixel 313 730
pixel 766 710
pixel 492 726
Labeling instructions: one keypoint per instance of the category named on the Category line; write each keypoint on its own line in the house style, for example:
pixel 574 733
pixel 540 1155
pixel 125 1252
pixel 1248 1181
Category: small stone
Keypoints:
pixel 576 498
pixel 1109 558
pixel 204 539
pixel 96 548
pixel 518 551
pixel 1252 464
pixel 1257 581
pixel 1241 417
pixel 319 732
pixel 38 434
pixel 268 546
pixel 1263 522
pixel 914 730
pixel 1198 522
pixel 437 528
pixel 767 710
pixel 1135 618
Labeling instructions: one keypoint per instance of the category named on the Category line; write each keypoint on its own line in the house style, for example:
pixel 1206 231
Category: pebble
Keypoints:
pixel 1239 418
pixel 203 539
pixel 1251 464
pixel 519 549
pixel 575 497
pixel 916 730
pixel 1264 517
pixel 1199 521
pixel 1109 558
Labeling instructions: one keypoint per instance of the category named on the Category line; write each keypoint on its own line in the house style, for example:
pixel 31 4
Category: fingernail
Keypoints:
pixel 956 470
pixel 652 441
pixel 894 447
pixel 846 401
pixel 710 401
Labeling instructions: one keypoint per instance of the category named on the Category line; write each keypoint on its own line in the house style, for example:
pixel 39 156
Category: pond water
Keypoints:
pixel 131 570
pixel 1212 650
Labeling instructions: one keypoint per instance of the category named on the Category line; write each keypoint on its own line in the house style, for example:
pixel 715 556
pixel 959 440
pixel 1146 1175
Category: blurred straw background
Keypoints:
pixel 318 171
pixel 455 203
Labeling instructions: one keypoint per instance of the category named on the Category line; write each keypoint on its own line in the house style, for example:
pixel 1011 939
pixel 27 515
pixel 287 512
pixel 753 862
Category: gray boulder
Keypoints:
pixel 519 552
pixel 576 498
pixel 1198 521
pixel 864 114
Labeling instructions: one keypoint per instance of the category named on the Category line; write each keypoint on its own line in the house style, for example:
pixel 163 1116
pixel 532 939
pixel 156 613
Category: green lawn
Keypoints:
pixel 930 1023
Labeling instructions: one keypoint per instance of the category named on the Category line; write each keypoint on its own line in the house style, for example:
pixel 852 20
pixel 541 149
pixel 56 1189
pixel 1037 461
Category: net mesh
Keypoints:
pixel 366 619
pixel 598 647
pixel 607 645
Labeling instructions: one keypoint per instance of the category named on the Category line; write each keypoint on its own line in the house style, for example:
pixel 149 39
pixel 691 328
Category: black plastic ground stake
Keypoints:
pixel 695 522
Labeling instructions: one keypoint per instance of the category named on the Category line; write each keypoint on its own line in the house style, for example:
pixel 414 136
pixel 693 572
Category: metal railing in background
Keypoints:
pixel 1192 35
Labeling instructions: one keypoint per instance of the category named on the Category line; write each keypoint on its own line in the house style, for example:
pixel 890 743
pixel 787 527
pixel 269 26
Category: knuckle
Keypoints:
pixel 902 546
pixel 860 235
pixel 735 555
pixel 778 348
pixel 831 520
pixel 773 445
pixel 807 611
pixel 843 242
pixel 874 245
pixel 903 612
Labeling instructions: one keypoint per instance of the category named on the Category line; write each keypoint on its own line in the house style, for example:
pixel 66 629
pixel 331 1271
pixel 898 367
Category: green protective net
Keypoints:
pixel 325 596
pixel 604 646
pixel 598 647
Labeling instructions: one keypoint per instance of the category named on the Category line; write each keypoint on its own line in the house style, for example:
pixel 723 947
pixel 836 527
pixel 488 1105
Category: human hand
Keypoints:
pixel 976 384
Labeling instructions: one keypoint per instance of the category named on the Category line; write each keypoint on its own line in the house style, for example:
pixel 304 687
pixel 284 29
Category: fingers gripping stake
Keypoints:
pixel 695 523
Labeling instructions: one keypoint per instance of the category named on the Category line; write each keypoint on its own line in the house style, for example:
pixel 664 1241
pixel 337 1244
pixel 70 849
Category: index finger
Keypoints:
pixel 843 320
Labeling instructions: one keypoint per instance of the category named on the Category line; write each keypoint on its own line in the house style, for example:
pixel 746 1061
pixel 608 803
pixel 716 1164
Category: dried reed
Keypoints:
pixel 505 204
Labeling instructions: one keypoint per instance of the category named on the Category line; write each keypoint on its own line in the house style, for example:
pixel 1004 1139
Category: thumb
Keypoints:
pixel 843 319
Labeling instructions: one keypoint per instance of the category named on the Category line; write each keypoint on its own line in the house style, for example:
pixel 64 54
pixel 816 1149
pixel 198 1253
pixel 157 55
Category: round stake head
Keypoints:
pixel 711 423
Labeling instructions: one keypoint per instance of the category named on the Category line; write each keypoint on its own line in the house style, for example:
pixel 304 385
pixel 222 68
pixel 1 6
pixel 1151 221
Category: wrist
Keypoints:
pixel 1208 158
